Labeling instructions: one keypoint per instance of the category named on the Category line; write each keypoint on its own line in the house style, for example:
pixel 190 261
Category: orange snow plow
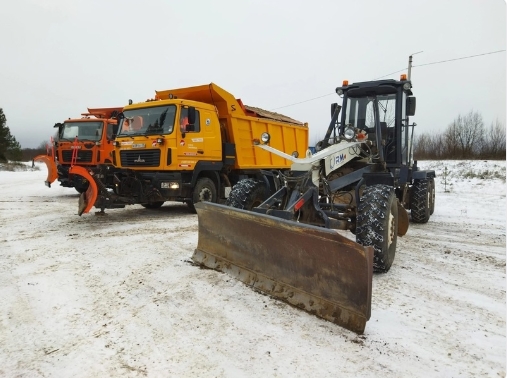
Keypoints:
pixel 312 268
pixel 49 160
pixel 86 199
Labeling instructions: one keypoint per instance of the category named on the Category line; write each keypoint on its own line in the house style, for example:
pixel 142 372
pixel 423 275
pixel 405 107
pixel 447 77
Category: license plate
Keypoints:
pixel 139 145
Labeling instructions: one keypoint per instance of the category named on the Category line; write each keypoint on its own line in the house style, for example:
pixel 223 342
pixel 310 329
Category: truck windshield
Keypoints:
pixel 148 121
pixel 84 130
pixel 360 111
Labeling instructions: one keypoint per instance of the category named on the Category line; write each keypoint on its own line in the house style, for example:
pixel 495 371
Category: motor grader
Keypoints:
pixel 362 179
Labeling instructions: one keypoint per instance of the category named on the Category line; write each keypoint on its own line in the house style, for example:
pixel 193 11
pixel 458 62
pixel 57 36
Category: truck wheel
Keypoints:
pixel 247 194
pixel 421 194
pixel 377 223
pixel 204 191
pixel 432 196
pixel 153 205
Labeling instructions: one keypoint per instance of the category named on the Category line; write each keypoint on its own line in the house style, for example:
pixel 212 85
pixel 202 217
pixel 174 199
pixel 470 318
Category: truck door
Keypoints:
pixel 195 142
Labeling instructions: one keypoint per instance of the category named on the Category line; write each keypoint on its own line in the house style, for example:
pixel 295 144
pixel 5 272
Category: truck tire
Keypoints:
pixel 153 205
pixel 421 201
pixel 432 196
pixel 377 223
pixel 204 191
pixel 247 194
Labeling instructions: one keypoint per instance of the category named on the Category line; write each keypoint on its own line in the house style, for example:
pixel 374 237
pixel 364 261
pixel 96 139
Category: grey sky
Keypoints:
pixel 59 56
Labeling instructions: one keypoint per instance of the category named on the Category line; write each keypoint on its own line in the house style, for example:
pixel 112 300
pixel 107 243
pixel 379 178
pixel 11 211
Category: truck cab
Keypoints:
pixel 85 141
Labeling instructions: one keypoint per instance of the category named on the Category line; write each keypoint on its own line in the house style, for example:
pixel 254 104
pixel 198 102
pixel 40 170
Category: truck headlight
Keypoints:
pixel 170 185
pixel 265 138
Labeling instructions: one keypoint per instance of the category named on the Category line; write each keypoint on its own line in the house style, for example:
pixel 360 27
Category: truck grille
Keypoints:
pixel 83 156
pixel 143 158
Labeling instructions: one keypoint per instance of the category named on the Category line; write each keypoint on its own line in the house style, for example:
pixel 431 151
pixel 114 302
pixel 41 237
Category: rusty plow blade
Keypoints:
pixel 312 268
pixel 51 165
pixel 86 199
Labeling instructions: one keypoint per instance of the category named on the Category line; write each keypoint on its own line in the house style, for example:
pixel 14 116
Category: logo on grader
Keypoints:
pixel 335 160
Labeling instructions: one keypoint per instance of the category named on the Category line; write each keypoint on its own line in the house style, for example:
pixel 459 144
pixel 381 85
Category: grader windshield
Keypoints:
pixel 148 121
pixel 360 111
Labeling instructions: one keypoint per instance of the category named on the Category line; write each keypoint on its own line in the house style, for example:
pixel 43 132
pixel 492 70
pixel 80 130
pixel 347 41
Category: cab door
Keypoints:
pixel 195 140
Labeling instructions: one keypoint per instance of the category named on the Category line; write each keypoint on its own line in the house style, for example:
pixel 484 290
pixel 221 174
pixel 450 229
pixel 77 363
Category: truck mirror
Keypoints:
pixel 191 114
pixel 58 125
pixel 410 106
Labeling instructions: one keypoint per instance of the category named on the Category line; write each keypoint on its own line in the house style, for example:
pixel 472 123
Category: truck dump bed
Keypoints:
pixel 243 124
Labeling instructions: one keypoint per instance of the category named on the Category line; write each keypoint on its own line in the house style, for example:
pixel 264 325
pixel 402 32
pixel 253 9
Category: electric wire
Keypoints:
pixel 392 73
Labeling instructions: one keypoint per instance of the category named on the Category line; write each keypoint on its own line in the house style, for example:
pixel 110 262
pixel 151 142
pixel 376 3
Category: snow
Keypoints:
pixel 117 295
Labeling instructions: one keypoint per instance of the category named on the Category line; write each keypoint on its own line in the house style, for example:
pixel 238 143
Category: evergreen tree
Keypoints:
pixel 9 146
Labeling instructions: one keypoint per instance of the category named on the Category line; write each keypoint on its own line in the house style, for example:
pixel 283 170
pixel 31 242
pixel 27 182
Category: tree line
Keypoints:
pixel 466 137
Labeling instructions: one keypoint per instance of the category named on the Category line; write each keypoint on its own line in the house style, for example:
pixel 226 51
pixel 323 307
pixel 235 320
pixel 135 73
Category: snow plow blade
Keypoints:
pixel 51 165
pixel 312 268
pixel 86 199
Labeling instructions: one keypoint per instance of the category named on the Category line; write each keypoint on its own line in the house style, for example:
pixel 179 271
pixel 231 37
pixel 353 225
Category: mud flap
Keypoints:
pixel 86 199
pixel 403 223
pixel 51 165
pixel 312 268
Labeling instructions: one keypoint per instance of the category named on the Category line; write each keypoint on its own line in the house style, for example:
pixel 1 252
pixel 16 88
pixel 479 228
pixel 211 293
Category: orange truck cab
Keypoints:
pixel 86 142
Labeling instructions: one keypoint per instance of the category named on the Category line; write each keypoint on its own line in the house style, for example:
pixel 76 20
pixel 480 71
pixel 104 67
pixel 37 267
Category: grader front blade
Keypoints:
pixel 312 268
pixel 51 165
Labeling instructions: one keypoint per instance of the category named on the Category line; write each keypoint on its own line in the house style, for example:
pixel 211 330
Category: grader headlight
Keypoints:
pixel 349 133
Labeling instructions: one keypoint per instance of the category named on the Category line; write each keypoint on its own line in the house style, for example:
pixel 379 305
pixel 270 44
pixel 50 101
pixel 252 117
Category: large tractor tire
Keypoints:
pixel 153 205
pixel 432 196
pixel 204 191
pixel 421 194
pixel 247 194
pixel 377 223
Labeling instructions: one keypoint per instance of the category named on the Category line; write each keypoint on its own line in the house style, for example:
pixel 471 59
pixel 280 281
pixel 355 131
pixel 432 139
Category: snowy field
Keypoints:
pixel 117 296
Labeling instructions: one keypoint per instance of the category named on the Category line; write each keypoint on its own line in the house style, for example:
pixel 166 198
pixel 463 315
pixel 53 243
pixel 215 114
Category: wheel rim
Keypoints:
pixel 205 195
pixel 391 229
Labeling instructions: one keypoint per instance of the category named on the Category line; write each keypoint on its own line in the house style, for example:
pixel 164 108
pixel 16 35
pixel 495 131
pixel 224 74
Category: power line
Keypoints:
pixel 401 70
pixel 465 57
pixel 301 102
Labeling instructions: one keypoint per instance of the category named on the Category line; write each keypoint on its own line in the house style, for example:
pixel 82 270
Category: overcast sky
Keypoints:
pixel 59 56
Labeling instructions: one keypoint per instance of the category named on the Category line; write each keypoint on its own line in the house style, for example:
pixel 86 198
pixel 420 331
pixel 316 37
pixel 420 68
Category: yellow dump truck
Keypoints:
pixel 190 145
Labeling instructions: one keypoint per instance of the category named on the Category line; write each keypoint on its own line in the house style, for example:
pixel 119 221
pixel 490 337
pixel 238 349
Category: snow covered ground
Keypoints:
pixel 117 295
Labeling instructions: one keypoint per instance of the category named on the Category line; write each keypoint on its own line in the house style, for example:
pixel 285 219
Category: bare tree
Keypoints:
pixel 464 136
pixel 495 141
